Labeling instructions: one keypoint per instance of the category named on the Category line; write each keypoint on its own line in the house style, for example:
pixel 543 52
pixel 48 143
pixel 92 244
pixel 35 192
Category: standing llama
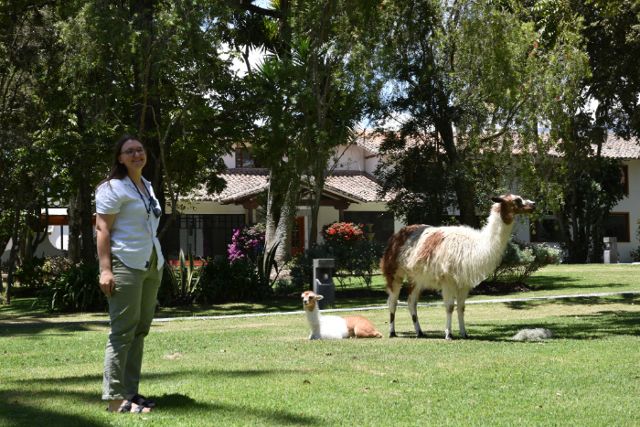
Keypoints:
pixel 451 259
pixel 335 327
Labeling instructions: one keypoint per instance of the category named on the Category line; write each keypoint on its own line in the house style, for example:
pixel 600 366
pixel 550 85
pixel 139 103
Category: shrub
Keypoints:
pixel 342 233
pixel 364 259
pixel 521 260
pixel 358 258
pixel 75 288
pixel 246 243
pixel 31 275
pixel 223 281
pixel 302 266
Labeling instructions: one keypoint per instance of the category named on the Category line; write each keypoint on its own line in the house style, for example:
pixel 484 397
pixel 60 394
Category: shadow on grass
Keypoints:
pixel 559 282
pixel 603 324
pixel 20 408
pixel 182 405
pixel 595 326
pixel 159 376
pixel 35 327
pixel 625 298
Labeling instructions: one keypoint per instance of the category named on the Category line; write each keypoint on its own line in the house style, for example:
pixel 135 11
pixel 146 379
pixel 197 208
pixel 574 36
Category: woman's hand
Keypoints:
pixel 107 282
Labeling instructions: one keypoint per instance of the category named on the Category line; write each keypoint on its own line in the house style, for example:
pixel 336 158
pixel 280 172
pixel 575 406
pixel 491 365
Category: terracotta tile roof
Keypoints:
pixel 370 142
pixel 614 147
pixel 360 186
pixel 618 148
pixel 241 183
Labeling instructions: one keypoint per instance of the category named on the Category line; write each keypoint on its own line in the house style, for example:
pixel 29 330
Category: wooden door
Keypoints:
pixel 297 236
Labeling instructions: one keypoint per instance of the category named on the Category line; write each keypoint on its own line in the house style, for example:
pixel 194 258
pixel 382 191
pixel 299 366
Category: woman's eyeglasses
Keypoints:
pixel 132 151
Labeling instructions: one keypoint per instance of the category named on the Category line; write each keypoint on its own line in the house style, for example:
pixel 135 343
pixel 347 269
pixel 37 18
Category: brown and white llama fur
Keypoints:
pixel 335 327
pixel 452 259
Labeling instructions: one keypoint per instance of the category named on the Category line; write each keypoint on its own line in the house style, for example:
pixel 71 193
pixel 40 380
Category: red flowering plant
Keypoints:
pixel 354 253
pixel 342 233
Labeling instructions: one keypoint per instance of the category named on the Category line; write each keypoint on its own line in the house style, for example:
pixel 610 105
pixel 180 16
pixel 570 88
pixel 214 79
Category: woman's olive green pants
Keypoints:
pixel 131 309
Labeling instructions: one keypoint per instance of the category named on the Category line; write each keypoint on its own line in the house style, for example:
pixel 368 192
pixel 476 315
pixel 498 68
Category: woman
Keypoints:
pixel 131 264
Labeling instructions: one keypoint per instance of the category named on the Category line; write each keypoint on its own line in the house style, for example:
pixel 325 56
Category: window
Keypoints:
pixel 616 224
pixel 244 159
pixel 546 230
pixel 381 223
pixel 217 232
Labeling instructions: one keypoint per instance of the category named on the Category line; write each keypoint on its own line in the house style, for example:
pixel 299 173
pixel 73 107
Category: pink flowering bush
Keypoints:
pixel 246 243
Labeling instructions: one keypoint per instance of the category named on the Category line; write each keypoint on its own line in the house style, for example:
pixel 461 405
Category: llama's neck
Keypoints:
pixel 313 317
pixel 495 235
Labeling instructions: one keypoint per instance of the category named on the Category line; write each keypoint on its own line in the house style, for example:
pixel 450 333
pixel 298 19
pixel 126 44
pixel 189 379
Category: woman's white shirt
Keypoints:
pixel 133 234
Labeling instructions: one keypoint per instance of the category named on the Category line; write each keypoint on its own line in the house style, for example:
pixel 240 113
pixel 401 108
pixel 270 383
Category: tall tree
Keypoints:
pixel 25 40
pixel 460 77
pixel 580 186
pixel 159 76
pixel 311 90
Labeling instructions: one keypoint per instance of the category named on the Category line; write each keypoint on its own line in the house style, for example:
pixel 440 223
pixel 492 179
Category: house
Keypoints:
pixel 207 221
pixel 57 229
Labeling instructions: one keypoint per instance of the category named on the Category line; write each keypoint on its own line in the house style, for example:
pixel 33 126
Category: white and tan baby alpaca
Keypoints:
pixel 335 327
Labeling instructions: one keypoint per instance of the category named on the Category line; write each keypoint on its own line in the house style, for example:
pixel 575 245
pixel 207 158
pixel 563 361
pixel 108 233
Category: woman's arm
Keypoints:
pixel 104 222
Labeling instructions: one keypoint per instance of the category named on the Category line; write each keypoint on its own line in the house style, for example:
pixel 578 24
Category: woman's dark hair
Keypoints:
pixel 118 170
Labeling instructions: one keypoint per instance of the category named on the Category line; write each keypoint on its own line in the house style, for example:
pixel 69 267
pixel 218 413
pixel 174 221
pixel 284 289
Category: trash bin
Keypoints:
pixel 610 255
pixel 323 281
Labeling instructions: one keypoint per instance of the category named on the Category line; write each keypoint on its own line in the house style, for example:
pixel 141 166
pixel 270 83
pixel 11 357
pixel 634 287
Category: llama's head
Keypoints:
pixel 309 299
pixel 510 205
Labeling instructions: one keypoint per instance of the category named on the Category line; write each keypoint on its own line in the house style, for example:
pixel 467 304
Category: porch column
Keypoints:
pixel 250 206
pixel 341 206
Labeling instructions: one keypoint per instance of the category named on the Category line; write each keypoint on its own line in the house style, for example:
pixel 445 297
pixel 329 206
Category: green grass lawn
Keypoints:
pixel 263 370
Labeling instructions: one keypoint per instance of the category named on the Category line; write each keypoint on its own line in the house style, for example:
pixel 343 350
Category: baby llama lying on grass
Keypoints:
pixel 451 259
pixel 334 327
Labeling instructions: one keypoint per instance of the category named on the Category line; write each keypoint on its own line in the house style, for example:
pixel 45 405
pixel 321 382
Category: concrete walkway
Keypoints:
pixel 384 307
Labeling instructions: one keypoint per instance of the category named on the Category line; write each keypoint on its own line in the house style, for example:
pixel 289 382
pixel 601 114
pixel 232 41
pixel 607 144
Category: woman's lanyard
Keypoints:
pixel 146 207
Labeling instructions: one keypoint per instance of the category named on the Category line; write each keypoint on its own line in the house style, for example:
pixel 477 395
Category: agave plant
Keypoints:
pixel 266 263
pixel 186 278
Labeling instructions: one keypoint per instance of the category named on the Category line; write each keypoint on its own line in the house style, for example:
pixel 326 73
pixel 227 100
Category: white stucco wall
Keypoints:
pixel 630 205
pixel 351 159
pixel 229 160
pixel 208 208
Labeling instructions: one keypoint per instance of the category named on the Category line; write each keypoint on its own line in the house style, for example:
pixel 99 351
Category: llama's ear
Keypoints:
pixel 497 199
pixel 319 297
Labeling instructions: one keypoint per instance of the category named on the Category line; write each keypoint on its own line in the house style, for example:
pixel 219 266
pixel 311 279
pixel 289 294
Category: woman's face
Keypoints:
pixel 133 156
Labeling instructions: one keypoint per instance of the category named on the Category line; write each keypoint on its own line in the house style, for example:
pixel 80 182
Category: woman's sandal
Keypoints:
pixel 140 400
pixel 127 406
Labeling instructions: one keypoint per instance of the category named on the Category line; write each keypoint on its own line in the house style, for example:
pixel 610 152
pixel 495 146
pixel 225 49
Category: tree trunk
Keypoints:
pixel 88 253
pixel 315 209
pixel 75 229
pixel 463 187
pixel 282 202
pixel 13 254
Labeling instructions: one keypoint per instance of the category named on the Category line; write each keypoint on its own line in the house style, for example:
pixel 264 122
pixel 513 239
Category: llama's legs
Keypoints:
pixel 394 294
pixel 460 303
pixel 412 302
pixel 448 297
